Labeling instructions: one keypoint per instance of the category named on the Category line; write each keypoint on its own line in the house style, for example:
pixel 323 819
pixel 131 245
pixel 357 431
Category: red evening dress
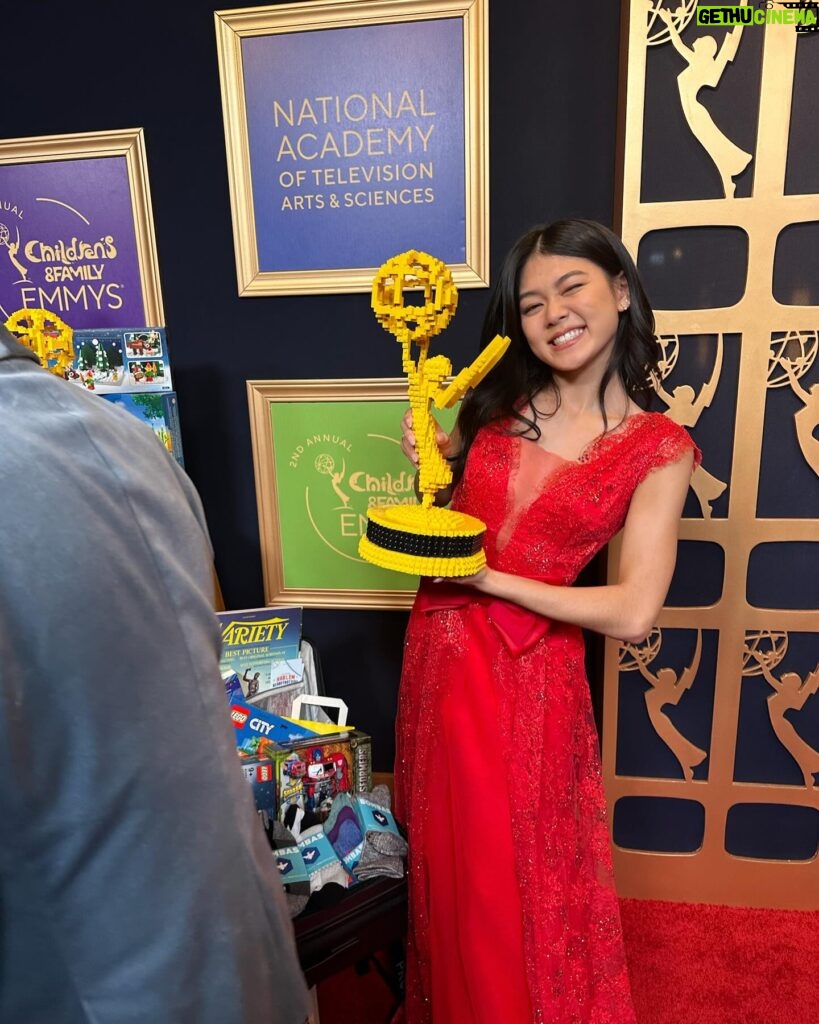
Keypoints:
pixel 513 914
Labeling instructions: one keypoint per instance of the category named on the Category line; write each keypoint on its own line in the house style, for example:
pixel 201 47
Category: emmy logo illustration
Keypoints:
pixel 685 407
pixel 658 31
pixel 667 687
pixel 763 651
pixel 423 539
pixel 325 464
pixel 706 62
pixel 791 358
pixel 12 249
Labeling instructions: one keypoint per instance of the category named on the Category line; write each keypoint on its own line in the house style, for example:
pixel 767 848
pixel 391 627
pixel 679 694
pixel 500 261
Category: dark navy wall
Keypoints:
pixel 99 66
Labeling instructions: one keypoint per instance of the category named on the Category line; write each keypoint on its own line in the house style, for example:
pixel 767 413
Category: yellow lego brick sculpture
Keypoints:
pixel 423 539
pixel 45 334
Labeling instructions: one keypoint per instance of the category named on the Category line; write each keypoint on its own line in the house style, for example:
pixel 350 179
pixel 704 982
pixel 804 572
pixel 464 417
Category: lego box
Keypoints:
pixel 161 413
pixel 117 360
pixel 310 774
pixel 260 732
pixel 260 772
pixel 297 782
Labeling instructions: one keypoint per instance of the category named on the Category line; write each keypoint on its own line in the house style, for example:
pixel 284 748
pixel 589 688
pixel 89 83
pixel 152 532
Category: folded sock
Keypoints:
pixel 343 829
pixel 292 869
pixel 378 824
pixel 321 860
pixel 384 846
pixel 373 864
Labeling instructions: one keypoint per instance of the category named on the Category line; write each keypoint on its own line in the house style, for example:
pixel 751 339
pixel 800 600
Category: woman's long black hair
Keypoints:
pixel 507 392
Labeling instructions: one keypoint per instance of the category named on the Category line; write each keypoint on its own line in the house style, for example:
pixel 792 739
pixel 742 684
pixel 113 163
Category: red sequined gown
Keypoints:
pixel 513 914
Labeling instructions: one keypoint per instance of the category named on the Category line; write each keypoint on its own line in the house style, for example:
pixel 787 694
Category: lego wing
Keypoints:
pixel 472 374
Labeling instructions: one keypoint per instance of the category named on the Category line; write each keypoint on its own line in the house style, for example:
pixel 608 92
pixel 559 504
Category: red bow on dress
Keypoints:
pixel 519 628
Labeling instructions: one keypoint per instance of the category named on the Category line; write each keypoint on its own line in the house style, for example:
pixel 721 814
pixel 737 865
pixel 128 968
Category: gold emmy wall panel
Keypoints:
pixel 711 725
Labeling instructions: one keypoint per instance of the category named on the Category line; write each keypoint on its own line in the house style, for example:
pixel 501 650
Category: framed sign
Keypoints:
pixel 323 453
pixel 355 130
pixel 76 230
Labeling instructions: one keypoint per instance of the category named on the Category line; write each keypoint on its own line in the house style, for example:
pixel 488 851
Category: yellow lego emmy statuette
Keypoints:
pixel 46 335
pixel 423 539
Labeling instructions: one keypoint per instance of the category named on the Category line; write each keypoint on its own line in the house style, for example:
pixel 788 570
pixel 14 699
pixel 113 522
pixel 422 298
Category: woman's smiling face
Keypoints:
pixel 569 312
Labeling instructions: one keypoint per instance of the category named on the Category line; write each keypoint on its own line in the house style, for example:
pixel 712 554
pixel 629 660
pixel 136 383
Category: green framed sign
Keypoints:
pixel 323 453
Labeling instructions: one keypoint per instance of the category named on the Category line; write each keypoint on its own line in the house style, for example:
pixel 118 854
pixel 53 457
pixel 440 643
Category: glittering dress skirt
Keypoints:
pixel 513 913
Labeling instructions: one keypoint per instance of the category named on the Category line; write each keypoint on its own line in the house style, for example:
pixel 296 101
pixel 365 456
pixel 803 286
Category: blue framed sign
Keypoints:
pixel 76 230
pixel 354 130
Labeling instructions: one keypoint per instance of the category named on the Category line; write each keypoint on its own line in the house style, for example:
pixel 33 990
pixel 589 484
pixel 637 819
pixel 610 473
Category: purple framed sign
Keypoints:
pixel 354 130
pixel 76 230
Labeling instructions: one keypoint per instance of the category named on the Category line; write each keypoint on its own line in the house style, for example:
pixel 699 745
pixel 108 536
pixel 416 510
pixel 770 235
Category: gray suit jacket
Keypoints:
pixel 136 885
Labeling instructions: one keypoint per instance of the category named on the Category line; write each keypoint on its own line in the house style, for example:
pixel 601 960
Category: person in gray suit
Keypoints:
pixel 136 883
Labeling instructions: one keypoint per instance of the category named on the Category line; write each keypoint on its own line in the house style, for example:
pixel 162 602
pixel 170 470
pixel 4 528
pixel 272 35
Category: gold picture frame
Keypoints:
pixel 276 246
pixel 323 452
pixel 55 181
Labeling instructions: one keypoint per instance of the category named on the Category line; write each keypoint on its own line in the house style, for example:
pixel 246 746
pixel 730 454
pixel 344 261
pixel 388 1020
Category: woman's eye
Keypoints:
pixel 533 308
pixel 572 287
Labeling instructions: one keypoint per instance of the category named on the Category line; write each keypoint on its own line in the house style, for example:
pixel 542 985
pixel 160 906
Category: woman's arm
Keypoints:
pixel 626 610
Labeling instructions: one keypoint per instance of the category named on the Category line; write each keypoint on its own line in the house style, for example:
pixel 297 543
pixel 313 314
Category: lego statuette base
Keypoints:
pixel 424 541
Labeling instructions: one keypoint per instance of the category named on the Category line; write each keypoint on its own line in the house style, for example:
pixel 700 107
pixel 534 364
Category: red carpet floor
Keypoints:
pixel 695 964
pixel 690 964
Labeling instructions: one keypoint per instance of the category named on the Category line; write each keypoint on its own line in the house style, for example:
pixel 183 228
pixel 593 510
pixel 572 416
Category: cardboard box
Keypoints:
pixel 121 359
pixel 261 774
pixel 161 413
pixel 311 775
pixel 259 732
pixel 307 775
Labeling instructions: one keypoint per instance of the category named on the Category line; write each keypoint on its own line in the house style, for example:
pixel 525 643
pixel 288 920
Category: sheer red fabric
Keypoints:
pixel 513 912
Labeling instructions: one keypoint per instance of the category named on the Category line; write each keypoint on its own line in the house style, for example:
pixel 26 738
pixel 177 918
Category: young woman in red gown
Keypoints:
pixel 513 914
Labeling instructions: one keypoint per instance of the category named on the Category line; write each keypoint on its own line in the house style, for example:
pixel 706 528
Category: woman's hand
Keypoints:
pixel 408 440
pixel 478 581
